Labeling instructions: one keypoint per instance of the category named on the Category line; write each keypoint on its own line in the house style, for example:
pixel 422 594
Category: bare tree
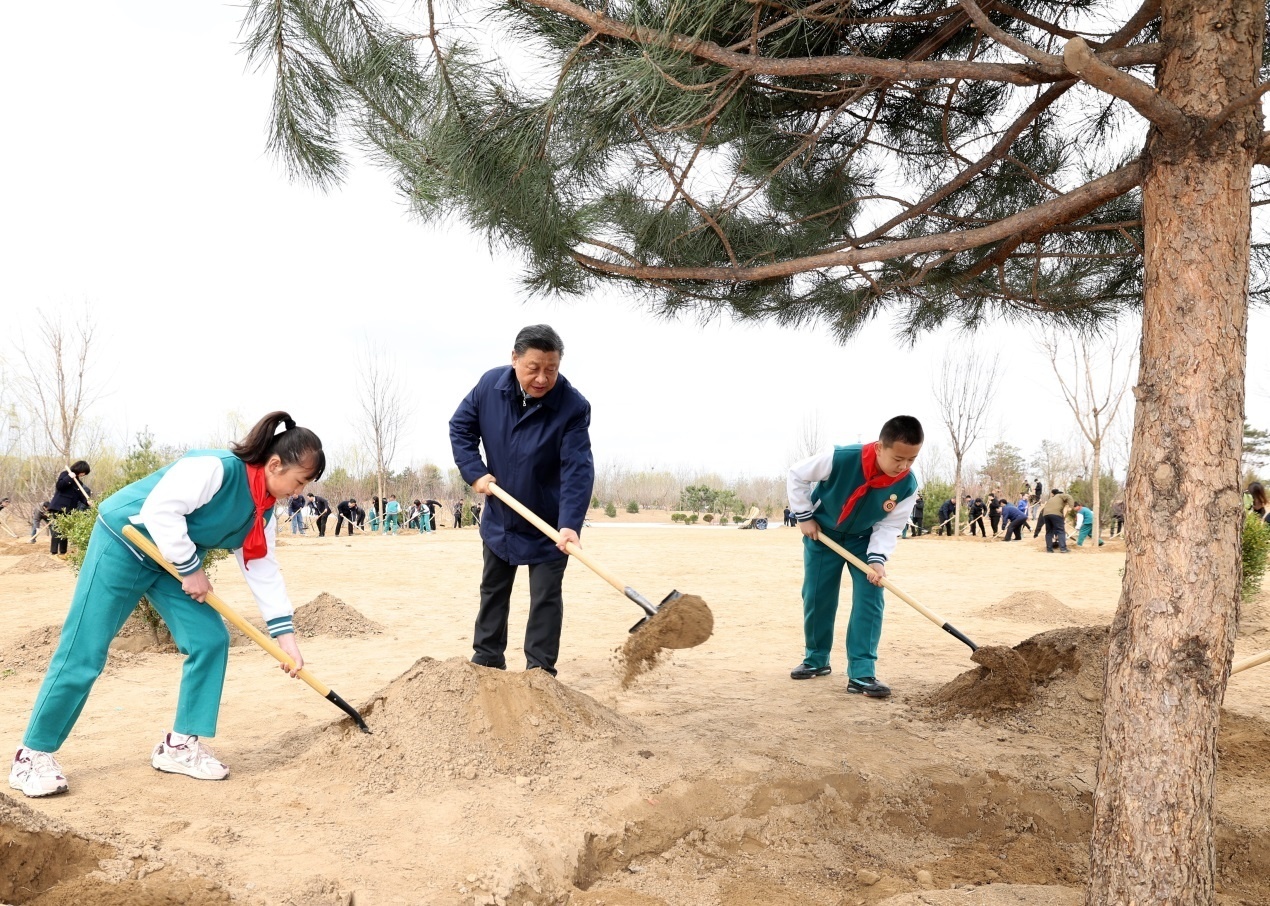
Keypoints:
pixel 1095 407
pixel 56 388
pixel 810 438
pixel 384 413
pixel 963 393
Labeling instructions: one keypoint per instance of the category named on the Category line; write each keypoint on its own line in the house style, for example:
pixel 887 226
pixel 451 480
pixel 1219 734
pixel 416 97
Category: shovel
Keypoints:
pixel 649 609
pixel 145 545
pixel 886 583
pixel 1250 662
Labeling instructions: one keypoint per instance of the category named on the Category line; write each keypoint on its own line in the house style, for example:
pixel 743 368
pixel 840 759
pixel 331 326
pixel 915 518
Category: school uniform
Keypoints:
pixel 391 510
pixel 831 488
pixel 201 501
pixel 1084 525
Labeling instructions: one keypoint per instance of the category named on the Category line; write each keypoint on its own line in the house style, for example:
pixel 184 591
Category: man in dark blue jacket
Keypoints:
pixel 535 429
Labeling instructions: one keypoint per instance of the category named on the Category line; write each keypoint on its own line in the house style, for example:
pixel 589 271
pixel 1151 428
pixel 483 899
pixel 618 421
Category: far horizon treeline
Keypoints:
pixel 1004 468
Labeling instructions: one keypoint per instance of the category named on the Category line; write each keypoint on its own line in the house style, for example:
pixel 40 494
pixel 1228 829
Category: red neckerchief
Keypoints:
pixel 873 478
pixel 255 547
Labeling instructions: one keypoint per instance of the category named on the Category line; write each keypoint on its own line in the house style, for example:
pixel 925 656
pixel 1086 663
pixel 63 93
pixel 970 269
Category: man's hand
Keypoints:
pixel 568 536
pixel 481 485
pixel 810 528
pixel 197 585
pixel 876 573
pixel 289 644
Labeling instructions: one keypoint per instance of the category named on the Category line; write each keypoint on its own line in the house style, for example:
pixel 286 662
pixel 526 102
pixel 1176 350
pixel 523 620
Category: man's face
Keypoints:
pixel 537 371
pixel 897 458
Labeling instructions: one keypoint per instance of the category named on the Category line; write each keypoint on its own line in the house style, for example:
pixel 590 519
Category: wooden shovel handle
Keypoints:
pixel 1250 662
pixel 554 535
pixel 146 546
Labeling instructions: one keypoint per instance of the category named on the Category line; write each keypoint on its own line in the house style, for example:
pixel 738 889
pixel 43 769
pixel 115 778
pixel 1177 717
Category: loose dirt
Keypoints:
pixel 328 615
pixel 37 562
pixel 713 781
pixel 685 622
pixel 1034 607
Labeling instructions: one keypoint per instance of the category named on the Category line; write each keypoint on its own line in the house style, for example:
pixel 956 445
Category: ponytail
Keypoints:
pixel 294 446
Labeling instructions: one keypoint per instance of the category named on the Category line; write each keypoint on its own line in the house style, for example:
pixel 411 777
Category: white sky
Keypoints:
pixel 134 180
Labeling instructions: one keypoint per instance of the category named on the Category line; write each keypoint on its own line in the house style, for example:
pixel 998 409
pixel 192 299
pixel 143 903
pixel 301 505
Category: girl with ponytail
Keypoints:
pixel 206 499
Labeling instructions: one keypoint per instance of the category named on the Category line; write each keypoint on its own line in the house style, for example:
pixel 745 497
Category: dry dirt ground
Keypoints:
pixel 712 779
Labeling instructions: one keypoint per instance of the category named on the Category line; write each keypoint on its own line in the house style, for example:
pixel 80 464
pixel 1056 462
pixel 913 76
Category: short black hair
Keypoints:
pixel 542 337
pixel 902 429
pixel 81 468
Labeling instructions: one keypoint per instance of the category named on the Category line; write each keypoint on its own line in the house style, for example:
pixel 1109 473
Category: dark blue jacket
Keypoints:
pixel 1010 513
pixel 67 497
pixel 540 454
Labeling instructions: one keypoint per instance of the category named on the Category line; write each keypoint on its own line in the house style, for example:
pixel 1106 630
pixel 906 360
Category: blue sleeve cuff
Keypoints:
pixel 192 565
pixel 875 558
pixel 280 626
pixel 802 517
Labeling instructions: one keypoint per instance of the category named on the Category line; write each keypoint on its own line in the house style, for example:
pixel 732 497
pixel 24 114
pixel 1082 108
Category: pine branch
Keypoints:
pixel 1082 62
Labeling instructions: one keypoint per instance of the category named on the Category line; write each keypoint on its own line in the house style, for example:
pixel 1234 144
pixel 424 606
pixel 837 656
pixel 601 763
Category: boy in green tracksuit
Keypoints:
pixel 860 496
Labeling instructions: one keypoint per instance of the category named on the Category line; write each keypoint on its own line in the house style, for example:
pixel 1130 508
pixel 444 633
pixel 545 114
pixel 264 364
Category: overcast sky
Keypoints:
pixel 134 181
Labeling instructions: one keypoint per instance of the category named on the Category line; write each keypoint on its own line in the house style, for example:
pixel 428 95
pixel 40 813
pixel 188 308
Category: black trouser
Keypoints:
pixel 995 519
pixel 978 521
pixel 915 527
pixel 546 613
pixel 57 542
pixel 1055 530
pixel 340 521
pixel 1117 525
pixel 321 524
pixel 1012 529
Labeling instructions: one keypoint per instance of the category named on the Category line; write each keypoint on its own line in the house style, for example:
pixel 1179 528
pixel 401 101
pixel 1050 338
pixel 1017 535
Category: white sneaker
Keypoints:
pixel 36 774
pixel 192 758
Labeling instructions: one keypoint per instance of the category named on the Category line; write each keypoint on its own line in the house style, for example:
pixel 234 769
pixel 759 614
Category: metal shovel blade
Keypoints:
pixel 664 601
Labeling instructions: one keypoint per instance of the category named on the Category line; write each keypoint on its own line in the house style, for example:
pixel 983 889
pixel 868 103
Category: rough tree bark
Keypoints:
pixel 1173 635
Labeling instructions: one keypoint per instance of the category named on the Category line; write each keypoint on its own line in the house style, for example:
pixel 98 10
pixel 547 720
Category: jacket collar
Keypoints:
pixel 510 388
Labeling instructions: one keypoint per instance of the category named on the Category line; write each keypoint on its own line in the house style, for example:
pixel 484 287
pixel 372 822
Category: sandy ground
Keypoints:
pixel 712 779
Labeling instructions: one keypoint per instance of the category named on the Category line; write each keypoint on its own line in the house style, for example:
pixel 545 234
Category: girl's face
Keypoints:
pixel 285 481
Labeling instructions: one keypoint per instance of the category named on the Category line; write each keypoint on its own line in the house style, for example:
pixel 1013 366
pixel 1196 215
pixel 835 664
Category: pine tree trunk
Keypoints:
pixel 1173 634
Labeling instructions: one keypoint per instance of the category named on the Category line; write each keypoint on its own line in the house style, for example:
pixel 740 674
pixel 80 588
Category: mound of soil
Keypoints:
pixel 36 562
pixel 31 651
pixel 1033 607
pixel 328 615
pixel 453 719
pixel 1065 670
pixel 10 547
pixel 684 622
pixel 43 863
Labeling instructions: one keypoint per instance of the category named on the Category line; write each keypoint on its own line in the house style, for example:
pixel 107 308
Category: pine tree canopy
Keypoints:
pixel 796 160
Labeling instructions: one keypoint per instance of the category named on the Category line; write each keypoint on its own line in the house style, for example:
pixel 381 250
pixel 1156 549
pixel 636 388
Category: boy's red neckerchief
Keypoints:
pixel 255 547
pixel 873 478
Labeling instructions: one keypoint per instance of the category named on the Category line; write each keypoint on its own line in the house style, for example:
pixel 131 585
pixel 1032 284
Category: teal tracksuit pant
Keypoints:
pixel 111 582
pixel 822 581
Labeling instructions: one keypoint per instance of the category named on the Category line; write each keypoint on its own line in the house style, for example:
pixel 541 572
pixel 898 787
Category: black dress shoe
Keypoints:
pixel 869 686
pixel 806 671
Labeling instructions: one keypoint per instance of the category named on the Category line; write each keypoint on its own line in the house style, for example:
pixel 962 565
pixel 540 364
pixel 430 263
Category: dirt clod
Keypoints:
pixel 685 622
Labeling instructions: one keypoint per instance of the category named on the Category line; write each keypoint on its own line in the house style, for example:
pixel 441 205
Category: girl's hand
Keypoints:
pixel 197 585
pixel 289 645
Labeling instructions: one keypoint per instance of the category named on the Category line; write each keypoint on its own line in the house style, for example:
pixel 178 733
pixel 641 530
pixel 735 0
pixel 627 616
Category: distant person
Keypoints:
pixel 534 428
pixel 1036 492
pixel 206 499
pixel 787 519
pixel 860 496
pixel 1257 492
pixel 458 514
pixel 919 513
pixel 321 513
pixel 412 515
pixel 344 516
pixel 295 509
pixel 392 513
pixel 994 512
pixel 1014 517
pixel 70 494
pixel 433 507
pixel 1117 516
pixel 947 510
pixel 977 511
pixel 1084 524
pixel 476 513
pixel 375 514
pixel 38 514
pixel 359 515
pixel 1054 518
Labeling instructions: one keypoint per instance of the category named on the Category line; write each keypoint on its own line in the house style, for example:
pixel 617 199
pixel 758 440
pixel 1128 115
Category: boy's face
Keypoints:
pixel 897 458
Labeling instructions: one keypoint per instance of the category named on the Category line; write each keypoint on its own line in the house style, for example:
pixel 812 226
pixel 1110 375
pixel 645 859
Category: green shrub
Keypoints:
pixel 737 520
pixel 632 507
pixel 610 510
pixel 1256 545
pixel 708 517
pixel 595 502
pixel 692 520
pixel 678 517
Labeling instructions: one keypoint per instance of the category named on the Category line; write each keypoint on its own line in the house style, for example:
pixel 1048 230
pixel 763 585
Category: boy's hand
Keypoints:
pixel 876 573
pixel 810 528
